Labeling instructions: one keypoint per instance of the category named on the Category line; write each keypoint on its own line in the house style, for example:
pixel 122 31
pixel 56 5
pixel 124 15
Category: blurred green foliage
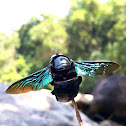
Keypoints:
pixel 91 31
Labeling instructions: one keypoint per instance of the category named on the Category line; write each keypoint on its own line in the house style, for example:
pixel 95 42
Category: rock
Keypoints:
pixel 109 123
pixel 84 98
pixel 38 108
pixel 83 102
pixel 109 98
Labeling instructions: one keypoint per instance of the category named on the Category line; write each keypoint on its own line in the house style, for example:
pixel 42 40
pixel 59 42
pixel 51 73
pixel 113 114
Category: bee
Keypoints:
pixel 62 72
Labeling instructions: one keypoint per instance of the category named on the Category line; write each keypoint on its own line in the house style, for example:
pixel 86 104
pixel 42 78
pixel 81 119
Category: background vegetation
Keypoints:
pixel 91 31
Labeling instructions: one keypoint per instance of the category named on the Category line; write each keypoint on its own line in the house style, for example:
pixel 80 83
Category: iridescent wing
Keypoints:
pixel 35 81
pixel 94 68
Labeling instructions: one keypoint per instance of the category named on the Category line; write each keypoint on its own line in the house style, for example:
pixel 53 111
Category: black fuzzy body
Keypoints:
pixel 65 80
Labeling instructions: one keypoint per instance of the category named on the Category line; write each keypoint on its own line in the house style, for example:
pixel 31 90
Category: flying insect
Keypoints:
pixel 62 74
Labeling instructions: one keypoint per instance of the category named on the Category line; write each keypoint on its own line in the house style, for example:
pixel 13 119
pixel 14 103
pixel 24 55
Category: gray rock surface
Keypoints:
pixel 110 95
pixel 38 108
pixel 109 98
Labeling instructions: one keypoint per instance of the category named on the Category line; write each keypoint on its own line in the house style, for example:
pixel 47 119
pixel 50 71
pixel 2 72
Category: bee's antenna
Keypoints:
pixel 55 50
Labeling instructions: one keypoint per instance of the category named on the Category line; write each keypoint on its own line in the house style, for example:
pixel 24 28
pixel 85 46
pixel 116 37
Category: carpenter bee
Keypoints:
pixel 62 74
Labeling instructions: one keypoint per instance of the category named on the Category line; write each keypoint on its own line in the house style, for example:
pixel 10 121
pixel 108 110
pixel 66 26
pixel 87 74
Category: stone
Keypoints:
pixel 109 123
pixel 38 108
pixel 83 102
pixel 109 98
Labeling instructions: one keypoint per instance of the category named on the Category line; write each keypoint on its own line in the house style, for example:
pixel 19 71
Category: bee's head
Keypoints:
pixel 60 62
